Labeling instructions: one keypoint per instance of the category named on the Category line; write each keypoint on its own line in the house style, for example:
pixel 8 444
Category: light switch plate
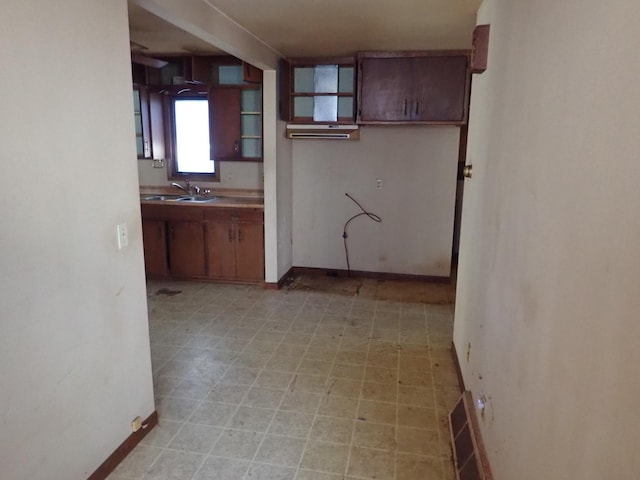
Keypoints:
pixel 123 236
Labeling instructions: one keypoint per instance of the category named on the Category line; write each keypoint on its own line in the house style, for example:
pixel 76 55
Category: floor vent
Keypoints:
pixel 469 456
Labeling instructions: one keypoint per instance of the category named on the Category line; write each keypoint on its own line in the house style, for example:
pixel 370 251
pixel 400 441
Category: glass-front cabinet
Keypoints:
pixel 236 115
pixel 251 122
pixel 318 90
pixel 234 93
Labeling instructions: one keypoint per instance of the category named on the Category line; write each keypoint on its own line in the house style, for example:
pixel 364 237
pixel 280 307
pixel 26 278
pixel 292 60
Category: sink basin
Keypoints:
pixel 180 198
pixel 163 198
pixel 195 199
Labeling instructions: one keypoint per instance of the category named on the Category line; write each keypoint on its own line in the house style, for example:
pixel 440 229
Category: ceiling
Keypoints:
pixel 297 28
pixel 157 36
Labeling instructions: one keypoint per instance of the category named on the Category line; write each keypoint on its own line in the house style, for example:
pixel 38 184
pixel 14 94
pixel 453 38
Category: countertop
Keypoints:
pixel 222 199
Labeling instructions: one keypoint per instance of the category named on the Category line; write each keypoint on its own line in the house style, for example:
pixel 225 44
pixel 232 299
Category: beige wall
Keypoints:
pixel 417 166
pixel 245 175
pixel 285 200
pixel 546 322
pixel 74 346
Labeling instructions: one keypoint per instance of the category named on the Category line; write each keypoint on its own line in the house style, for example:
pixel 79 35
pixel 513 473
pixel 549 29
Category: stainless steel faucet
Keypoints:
pixel 186 189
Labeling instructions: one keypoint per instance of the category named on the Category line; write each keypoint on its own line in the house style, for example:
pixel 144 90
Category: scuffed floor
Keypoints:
pixel 390 290
pixel 328 379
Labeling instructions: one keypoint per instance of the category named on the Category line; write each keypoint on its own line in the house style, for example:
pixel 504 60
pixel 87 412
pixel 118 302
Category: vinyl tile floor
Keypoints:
pixel 297 384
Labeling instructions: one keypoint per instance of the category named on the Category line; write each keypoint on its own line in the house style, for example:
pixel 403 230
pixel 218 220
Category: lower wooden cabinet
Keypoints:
pixel 186 249
pixel 155 248
pixel 224 244
pixel 235 244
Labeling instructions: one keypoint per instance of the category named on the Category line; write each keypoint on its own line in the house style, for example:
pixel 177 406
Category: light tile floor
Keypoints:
pixel 296 384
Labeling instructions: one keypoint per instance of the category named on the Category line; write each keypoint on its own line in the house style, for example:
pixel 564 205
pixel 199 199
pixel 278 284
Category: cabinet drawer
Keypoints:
pixel 172 212
pixel 235 215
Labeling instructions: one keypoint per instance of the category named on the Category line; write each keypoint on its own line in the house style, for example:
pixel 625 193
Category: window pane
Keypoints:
pixel 251 125
pixel 303 79
pixel 251 147
pixel 192 136
pixel 326 79
pixel 230 75
pixel 345 82
pixel 325 109
pixel 345 107
pixel 303 107
pixel 251 101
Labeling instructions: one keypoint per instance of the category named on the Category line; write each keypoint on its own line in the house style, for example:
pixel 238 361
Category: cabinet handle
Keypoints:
pixel 173 233
pixel 236 147
pixel 417 107
pixel 405 106
pixel 159 232
pixel 240 236
pixel 230 235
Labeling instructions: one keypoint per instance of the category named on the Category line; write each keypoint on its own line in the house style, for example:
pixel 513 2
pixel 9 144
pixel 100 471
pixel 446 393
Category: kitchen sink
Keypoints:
pixel 180 198
pixel 196 199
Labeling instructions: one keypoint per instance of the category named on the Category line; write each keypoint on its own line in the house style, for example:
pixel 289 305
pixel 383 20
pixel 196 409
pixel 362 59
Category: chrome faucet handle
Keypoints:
pixel 206 191
pixel 197 189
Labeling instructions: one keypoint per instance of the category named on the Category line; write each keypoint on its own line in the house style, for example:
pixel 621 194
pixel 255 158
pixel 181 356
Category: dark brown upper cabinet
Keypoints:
pixel 430 87
pixel 149 122
pixel 235 122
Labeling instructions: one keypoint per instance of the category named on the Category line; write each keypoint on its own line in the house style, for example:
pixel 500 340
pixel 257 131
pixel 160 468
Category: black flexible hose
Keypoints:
pixel 372 216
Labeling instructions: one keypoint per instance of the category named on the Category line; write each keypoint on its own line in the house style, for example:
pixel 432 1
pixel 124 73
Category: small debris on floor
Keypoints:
pixel 168 292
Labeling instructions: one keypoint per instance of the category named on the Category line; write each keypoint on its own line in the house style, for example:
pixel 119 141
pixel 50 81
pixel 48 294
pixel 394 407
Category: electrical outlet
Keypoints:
pixel 378 184
pixel 136 424
pixel 123 236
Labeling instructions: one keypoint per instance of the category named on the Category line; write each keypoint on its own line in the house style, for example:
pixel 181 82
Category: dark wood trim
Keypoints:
pixel 119 454
pixel 480 50
pixel 310 121
pixel 375 275
pixel 251 74
pixel 280 283
pixel 457 215
pixel 285 90
pixel 319 94
pixel 456 363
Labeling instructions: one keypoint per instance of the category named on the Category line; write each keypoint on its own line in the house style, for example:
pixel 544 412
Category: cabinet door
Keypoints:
pixel 224 122
pixel 186 249
pixel 155 248
pixel 250 251
pixel 142 122
pixel 221 250
pixel 156 121
pixel 439 88
pixel 385 89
